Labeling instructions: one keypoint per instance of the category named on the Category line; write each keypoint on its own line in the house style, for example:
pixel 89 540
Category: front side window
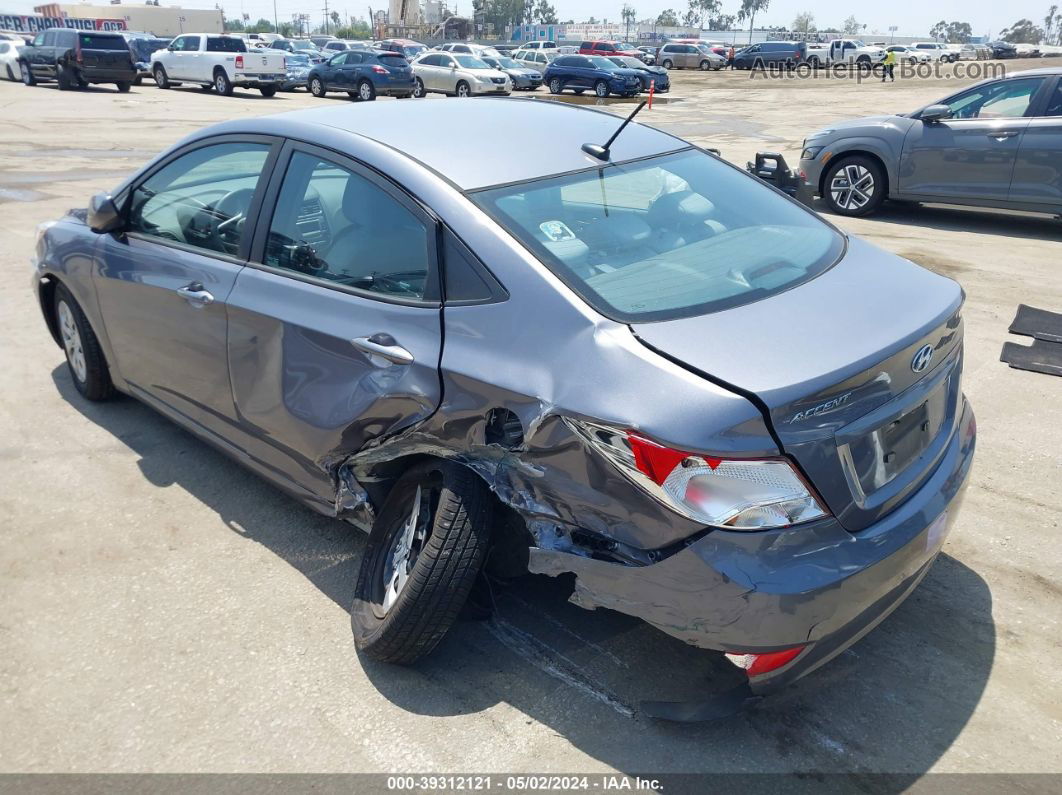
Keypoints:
pixel 1054 103
pixel 337 226
pixel 470 62
pixel 201 198
pixel 1008 99
pixel 338 60
pixel 191 44
pixel 671 236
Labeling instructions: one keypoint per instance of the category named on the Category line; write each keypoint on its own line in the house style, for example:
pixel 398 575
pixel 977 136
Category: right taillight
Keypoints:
pixel 239 62
pixel 732 493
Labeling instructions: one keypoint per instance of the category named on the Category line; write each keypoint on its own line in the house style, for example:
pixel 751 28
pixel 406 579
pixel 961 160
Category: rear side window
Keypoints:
pixel 670 236
pixel 338 227
pixel 225 44
pixel 97 41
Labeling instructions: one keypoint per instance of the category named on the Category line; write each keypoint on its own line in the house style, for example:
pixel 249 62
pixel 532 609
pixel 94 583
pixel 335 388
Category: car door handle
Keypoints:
pixel 195 294
pixel 384 346
pixel 1002 135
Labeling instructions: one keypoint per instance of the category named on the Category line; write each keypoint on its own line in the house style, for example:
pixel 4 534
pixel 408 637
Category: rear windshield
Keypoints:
pixel 666 237
pixel 225 44
pixel 391 59
pixel 102 41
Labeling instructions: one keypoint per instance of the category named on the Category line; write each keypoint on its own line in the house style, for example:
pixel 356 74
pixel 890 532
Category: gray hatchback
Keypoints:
pixel 650 371
pixel 997 144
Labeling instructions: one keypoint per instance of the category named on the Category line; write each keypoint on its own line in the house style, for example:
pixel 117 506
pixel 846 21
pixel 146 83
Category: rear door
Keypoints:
pixel 334 332
pixel 163 283
pixel 1038 170
pixel 971 154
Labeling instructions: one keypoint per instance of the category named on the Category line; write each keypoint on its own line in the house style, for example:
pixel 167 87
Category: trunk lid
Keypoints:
pixel 858 371
pixel 263 61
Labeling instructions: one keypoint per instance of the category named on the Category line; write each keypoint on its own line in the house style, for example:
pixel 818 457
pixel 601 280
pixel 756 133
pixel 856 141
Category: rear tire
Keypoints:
pixel 222 84
pixel 854 186
pixel 84 356
pixel 366 91
pixel 124 86
pixel 426 548
pixel 26 74
pixel 139 80
pixel 161 80
pixel 268 91
pixel 62 78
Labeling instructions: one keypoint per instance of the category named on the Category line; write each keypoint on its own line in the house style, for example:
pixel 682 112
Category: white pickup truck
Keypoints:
pixel 845 51
pixel 224 62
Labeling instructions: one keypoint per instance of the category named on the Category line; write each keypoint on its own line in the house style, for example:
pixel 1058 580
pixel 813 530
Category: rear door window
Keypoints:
pixel 225 44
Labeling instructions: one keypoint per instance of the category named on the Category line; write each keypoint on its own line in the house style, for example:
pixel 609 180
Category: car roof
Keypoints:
pixel 463 145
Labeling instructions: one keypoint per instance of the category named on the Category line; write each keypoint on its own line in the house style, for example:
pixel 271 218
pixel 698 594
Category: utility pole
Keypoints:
pixel 327 20
pixel 276 19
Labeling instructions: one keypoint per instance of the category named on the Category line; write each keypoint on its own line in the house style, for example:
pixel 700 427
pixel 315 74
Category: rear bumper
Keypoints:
pixel 394 88
pixel 107 75
pixel 817 586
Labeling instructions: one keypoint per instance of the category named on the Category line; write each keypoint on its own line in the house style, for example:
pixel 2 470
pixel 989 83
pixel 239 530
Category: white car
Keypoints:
pixel 936 51
pixel 539 45
pixel 457 75
pixel 9 58
pixel 537 59
pixel 221 61
pixel 854 51
pixel 464 48
pixel 908 55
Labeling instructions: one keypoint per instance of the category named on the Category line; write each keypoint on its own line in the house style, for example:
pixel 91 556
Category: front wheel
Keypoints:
pixel 556 86
pixel 84 356
pixel 161 80
pixel 463 89
pixel 668 64
pixel 426 548
pixel 268 91
pixel 366 91
pixel 601 88
pixel 854 186
pixel 418 89
pixel 704 66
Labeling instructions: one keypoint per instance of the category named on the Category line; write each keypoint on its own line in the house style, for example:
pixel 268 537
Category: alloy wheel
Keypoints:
pixel 462 90
pixel 365 92
pixel 75 353
pixel 852 187
pixel 406 546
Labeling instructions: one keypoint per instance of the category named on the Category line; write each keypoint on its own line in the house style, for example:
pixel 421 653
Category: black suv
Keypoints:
pixel 75 58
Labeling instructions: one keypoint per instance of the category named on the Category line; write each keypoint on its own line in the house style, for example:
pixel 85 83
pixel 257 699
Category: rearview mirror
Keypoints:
pixel 103 215
pixel 936 113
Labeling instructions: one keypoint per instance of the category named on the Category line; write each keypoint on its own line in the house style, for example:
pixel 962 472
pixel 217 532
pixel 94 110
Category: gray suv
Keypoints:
pixel 639 366
pixel 996 144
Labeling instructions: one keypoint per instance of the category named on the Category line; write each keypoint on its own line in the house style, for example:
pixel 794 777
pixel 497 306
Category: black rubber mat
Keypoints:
pixel 1038 323
pixel 1040 357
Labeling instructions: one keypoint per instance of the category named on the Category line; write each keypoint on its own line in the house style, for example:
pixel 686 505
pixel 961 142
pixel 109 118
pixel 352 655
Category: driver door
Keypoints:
pixel 972 153
pixel 163 282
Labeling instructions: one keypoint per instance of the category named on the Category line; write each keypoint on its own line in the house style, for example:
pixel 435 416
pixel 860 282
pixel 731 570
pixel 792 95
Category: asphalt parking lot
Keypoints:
pixel 163 610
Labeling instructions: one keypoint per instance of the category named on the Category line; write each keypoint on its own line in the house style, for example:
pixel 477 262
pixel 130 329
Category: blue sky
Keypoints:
pixel 912 18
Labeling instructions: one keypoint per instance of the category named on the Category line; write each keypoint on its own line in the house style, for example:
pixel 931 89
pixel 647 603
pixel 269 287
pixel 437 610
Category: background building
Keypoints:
pixel 160 20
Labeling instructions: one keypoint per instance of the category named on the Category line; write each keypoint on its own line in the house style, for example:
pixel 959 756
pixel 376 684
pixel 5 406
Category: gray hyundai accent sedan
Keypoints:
pixel 720 413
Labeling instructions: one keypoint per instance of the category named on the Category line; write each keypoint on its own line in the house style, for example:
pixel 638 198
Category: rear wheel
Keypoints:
pixel 601 88
pixel 207 88
pixel 138 80
pixel 426 548
pixel 63 78
pixel 10 74
pixel 317 87
pixel 418 89
pixel 556 86
pixel 26 74
pixel 463 90
pixel 366 91
pixel 124 86
pixel 84 357
pixel 161 80
pixel 268 91
pixel 222 84
pixel 854 186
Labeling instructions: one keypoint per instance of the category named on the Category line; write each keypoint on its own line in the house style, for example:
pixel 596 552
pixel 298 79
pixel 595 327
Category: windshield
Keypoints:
pixel 304 45
pixel 470 62
pixel 143 48
pixel 298 59
pixel 629 63
pixel 670 236
pixel 601 62
pixel 509 63
pixel 413 50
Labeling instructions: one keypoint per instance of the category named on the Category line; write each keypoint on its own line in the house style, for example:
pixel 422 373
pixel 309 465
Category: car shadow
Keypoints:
pixel 954 219
pixel 894 703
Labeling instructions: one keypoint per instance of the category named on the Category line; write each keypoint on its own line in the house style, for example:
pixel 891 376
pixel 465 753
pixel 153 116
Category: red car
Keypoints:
pixel 610 48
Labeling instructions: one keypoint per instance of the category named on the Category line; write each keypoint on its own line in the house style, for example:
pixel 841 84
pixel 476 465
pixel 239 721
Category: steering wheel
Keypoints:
pixel 231 207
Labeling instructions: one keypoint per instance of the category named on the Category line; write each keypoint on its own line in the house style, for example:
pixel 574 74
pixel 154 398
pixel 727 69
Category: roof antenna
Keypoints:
pixel 601 152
